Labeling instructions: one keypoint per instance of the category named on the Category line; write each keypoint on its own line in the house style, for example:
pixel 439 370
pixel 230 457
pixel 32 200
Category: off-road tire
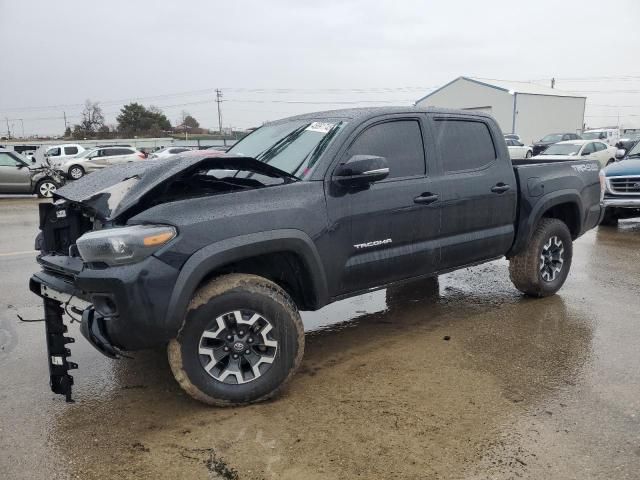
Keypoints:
pixel 229 293
pixel 524 268
pixel 78 168
pixel 609 219
pixel 43 188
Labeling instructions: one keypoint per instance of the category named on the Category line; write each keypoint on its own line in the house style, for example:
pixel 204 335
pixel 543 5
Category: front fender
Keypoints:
pixel 218 254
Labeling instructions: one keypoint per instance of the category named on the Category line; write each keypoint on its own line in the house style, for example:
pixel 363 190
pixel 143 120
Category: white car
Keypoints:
pixel 579 149
pixel 518 150
pixel 58 154
pixel 167 152
pixel 606 135
pixel 99 158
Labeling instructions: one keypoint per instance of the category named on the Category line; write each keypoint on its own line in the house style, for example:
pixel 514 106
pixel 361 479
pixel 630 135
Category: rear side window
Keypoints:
pixel 400 142
pixel 119 151
pixel 70 150
pixel 464 144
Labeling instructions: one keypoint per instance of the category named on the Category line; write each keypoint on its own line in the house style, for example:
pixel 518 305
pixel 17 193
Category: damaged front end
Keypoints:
pixel 102 271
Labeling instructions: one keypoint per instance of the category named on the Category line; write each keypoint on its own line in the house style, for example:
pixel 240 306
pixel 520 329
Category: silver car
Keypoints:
pixel 97 159
pixel 17 176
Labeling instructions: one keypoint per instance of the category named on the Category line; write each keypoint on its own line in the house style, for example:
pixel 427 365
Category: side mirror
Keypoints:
pixel 33 159
pixel 620 153
pixel 361 169
pixel 20 166
pixel 584 154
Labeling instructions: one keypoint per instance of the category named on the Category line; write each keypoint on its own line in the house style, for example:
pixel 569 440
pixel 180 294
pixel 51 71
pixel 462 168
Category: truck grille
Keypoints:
pixel 625 185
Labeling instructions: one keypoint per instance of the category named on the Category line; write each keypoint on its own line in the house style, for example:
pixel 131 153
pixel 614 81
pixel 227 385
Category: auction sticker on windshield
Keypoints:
pixel 321 127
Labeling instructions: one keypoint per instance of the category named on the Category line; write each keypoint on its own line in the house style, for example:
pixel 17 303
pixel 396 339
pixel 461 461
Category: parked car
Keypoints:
pixel 168 151
pixel 58 154
pixel 512 136
pixel 518 150
pixel 610 136
pixel 318 208
pixel 622 188
pixel 542 144
pixel 17 176
pixel 599 151
pixel 99 158
pixel 627 142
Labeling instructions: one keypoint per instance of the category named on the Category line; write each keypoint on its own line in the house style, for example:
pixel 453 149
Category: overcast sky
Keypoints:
pixel 57 54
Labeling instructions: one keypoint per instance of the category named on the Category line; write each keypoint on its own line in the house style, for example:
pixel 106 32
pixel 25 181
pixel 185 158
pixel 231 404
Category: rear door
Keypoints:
pixel 478 190
pixel 121 155
pixel 15 177
pixel 389 230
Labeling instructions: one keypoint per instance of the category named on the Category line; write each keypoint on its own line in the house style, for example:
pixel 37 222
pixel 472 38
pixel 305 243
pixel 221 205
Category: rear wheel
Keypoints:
pixel 528 154
pixel 543 267
pixel 76 172
pixel 45 188
pixel 241 342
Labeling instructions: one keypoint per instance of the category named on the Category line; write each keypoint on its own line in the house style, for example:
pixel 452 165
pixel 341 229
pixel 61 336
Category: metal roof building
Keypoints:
pixel 528 109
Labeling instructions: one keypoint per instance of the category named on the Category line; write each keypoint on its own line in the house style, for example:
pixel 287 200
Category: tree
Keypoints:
pixel 92 117
pixel 190 122
pixel 135 119
pixel 67 132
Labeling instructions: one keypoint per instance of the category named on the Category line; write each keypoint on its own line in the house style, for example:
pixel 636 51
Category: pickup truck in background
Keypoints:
pixel 621 182
pixel 215 255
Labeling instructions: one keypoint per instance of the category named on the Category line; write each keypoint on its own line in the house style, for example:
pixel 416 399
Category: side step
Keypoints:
pixel 59 378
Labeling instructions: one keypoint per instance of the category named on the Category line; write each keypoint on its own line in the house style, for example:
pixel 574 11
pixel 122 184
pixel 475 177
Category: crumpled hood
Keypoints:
pixel 111 192
pixel 629 166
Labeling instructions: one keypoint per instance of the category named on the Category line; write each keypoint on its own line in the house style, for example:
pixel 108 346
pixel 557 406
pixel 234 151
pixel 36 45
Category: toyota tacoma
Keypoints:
pixel 214 254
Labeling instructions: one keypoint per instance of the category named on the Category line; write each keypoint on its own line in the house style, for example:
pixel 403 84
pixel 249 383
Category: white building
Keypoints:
pixel 525 108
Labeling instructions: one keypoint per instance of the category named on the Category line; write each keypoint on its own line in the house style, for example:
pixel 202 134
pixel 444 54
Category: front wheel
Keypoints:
pixel 528 154
pixel 241 342
pixel 45 188
pixel 543 267
pixel 76 172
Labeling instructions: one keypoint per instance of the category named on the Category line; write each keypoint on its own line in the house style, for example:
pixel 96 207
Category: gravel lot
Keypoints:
pixel 462 379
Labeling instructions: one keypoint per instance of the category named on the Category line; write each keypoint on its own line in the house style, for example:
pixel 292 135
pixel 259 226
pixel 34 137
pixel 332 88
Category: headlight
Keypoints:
pixel 122 245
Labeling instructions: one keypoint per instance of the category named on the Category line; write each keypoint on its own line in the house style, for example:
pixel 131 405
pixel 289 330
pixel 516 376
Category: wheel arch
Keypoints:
pixel 286 257
pixel 563 205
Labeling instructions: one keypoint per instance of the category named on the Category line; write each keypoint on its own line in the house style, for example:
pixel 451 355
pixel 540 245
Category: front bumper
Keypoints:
pixel 129 302
pixel 621 202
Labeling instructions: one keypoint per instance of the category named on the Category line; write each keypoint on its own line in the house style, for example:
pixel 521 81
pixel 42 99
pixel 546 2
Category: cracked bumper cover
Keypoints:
pixel 128 302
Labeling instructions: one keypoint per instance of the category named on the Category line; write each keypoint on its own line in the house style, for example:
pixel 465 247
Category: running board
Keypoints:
pixel 57 352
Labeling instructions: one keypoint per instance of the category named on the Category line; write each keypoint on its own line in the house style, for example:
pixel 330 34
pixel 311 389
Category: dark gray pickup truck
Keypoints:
pixel 214 254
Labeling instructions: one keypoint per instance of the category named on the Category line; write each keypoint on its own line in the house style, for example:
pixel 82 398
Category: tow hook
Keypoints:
pixel 59 378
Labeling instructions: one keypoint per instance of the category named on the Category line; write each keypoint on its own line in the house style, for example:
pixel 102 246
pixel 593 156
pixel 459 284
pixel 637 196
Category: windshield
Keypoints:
pixel 292 146
pixel 554 137
pixel 562 149
pixel 635 151
pixel 593 135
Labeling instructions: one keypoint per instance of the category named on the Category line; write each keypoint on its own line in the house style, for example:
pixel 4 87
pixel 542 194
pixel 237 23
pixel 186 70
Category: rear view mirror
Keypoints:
pixel 361 169
pixel 620 153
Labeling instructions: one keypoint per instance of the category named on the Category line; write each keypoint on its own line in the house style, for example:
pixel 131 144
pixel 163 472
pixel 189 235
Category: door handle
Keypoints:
pixel 426 198
pixel 500 188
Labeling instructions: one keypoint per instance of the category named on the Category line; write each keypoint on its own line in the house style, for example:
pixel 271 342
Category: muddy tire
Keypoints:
pixel 542 268
pixel 610 219
pixel 241 342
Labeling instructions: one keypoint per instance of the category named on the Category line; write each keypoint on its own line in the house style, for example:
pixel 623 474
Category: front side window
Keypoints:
pixel 551 138
pixel 54 152
pixel 464 144
pixel 7 160
pixel 399 142
pixel 588 149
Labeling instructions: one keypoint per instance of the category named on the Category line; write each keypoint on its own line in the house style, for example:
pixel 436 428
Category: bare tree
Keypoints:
pixel 92 117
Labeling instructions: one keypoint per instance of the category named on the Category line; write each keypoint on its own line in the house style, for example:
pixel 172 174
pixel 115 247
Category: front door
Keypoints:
pixel 389 230
pixel 15 176
pixel 479 192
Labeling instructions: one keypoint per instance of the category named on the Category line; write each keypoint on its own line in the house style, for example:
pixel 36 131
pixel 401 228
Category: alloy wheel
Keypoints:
pixel 551 259
pixel 239 348
pixel 47 189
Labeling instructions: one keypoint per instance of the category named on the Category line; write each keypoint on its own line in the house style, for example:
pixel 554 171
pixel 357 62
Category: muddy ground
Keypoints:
pixel 460 379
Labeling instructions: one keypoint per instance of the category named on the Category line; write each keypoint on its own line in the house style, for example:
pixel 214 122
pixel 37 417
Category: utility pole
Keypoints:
pixel 219 101
pixel 64 114
pixel 553 83
pixel 22 122
pixel 8 129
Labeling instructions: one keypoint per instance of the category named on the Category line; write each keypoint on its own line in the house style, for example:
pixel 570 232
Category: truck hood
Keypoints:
pixel 114 191
pixel 629 166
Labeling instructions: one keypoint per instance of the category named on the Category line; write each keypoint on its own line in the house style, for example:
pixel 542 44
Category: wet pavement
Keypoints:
pixel 458 379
